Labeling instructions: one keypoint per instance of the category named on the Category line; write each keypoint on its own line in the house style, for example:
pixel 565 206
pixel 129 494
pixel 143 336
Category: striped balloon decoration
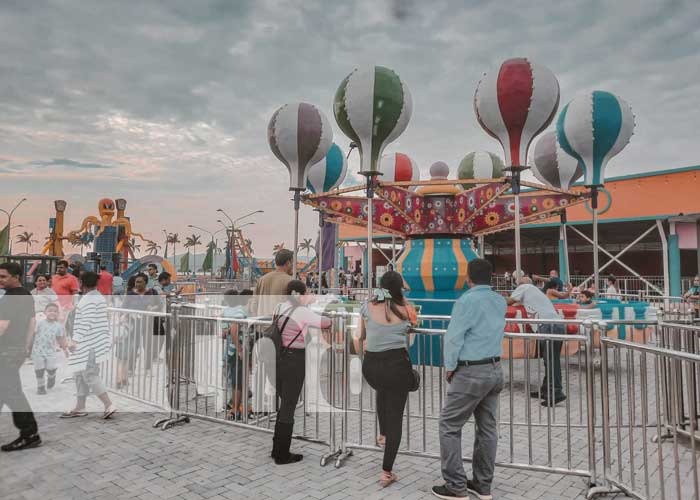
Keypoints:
pixel 515 104
pixel 593 128
pixel 552 166
pixel 480 165
pixel 299 135
pixel 397 167
pixel 372 107
pixel 329 173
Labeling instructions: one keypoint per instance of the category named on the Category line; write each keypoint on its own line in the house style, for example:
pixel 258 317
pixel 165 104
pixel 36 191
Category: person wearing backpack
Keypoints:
pixel 293 318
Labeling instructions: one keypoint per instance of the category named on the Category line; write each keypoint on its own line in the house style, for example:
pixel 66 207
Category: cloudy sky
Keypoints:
pixel 166 103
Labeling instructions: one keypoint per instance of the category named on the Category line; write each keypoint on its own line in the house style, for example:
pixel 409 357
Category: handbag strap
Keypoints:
pixel 284 325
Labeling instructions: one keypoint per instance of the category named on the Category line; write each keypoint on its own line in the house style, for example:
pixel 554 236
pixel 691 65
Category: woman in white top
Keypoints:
pixel 612 292
pixel 293 318
pixel 43 296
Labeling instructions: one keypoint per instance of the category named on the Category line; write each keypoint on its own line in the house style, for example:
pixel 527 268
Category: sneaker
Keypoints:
pixel 538 394
pixel 22 443
pixel 471 488
pixel 41 390
pixel 444 492
pixel 557 399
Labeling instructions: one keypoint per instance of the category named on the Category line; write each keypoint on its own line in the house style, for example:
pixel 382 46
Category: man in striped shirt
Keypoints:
pixel 90 346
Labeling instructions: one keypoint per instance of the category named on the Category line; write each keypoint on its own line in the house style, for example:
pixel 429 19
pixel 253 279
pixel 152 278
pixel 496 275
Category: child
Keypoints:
pixel 49 334
pixel 585 299
pixel 235 309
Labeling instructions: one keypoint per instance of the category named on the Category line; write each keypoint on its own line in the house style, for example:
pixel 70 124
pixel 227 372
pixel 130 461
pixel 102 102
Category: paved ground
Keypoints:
pixel 125 457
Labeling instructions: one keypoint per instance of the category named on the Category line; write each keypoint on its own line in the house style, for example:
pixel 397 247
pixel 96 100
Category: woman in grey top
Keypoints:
pixel 385 323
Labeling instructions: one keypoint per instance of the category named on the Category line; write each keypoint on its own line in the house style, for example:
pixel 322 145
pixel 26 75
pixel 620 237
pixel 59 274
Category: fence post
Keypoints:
pixel 590 399
pixel 173 361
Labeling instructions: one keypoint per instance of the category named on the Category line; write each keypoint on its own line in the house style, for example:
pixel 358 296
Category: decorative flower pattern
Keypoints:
pixel 548 203
pixel 386 219
pixel 336 205
pixel 491 218
pixel 461 215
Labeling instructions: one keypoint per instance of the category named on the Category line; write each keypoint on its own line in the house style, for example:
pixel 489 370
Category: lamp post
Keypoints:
pixel 212 234
pixel 233 222
pixel 9 223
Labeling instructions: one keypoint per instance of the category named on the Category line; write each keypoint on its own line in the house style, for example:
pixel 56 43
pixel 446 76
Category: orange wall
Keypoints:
pixel 665 194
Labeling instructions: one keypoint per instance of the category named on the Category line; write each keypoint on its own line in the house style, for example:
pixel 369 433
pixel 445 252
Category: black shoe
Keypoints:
pixel 447 494
pixel 51 382
pixel 538 394
pixel 22 443
pixel 291 458
pixel 41 390
pixel 471 488
pixel 557 399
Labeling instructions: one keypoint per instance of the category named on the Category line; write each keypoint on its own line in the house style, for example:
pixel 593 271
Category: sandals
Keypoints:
pixel 111 410
pixel 73 414
pixel 387 479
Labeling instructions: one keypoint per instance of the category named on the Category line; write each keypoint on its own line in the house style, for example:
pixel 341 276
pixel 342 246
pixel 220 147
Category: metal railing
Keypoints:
pixel 620 393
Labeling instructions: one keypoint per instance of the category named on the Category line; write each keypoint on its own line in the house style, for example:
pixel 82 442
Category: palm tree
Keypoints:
pixel 306 245
pixel 152 248
pixel 193 241
pixel 27 239
pixel 173 239
pixel 276 249
pixel 135 247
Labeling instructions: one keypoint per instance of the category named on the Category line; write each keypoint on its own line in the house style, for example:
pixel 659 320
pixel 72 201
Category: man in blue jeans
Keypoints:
pixel 472 361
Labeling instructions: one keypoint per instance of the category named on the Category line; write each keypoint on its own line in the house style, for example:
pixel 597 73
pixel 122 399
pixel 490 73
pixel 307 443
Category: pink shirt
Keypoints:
pixel 302 318
pixel 65 287
pixel 104 285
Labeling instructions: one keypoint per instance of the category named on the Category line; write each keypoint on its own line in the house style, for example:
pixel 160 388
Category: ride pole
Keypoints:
pixel 515 187
pixel 319 256
pixel 297 199
pixel 564 249
pixel 370 227
pixel 596 268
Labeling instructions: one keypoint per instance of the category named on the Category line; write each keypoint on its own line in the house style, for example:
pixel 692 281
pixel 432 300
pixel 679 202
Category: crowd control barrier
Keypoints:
pixel 629 423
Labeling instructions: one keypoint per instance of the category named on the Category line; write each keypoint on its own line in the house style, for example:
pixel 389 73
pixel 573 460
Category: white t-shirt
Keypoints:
pixel 612 292
pixel 535 301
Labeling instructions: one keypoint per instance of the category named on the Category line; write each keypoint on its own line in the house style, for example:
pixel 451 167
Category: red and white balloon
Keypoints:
pixel 397 167
pixel 515 104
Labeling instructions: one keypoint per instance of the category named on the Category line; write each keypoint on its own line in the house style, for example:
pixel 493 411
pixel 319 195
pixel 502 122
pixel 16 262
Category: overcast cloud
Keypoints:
pixel 166 103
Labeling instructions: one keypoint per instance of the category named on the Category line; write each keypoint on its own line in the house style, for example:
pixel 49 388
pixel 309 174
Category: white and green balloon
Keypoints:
pixel 372 107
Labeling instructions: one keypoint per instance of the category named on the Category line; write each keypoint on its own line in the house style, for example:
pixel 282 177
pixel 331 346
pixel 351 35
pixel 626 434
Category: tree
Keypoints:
pixel 192 242
pixel 212 250
pixel 152 248
pixel 306 245
pixel 26 238
pixel 276 249
pixel 173 239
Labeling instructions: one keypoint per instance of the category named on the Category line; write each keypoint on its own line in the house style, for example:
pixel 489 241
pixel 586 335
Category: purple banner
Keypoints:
pixel 328 250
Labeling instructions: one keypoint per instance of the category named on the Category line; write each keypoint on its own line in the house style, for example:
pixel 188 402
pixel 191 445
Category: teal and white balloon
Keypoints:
pixel 593 128
pixel 329 173
pixel 372 107
pixel 480 165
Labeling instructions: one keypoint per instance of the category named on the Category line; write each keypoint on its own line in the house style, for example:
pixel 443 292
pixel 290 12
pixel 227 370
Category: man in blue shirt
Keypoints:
pixel 472 361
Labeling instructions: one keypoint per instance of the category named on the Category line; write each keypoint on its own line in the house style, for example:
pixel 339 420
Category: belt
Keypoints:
pixel 484 361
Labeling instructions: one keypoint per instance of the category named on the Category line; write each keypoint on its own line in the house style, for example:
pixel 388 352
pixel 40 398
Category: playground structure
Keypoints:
pixel 111 236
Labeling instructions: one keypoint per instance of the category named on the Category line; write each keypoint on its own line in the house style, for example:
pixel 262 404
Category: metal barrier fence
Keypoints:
pixel 620 394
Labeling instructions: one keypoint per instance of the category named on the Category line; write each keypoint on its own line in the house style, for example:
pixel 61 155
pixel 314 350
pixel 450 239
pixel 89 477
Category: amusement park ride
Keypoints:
pixel 442 220
pixel 111 236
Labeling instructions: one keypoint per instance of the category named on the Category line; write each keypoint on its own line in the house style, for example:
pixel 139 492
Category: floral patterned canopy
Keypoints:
pixel 480 209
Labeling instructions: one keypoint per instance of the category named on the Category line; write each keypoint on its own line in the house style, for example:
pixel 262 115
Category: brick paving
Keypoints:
pixel 125 457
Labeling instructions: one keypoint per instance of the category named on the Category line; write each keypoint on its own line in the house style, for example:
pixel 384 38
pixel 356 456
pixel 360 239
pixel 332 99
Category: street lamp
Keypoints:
pixel 212 245
pixel 9 223
pixel 234 221
pixel 166 244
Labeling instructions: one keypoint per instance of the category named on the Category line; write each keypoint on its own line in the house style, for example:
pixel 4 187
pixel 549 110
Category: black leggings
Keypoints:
pixel 291 370
pixel 389 373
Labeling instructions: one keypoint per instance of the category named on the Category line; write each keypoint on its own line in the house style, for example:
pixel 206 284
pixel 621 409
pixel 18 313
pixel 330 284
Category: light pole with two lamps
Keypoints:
pixel 9 223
